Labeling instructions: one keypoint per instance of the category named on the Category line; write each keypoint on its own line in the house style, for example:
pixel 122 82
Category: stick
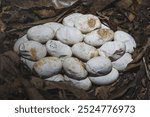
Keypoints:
pixel 146 68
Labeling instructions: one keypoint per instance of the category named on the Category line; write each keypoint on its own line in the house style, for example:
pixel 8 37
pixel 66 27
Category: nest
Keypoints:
pixel 17 81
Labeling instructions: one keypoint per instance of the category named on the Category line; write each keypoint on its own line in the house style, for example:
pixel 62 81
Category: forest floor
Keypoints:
pixel 17 82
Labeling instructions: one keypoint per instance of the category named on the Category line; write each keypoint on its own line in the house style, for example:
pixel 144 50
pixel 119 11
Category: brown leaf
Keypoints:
pixel 99 5
pixel 27 4
pixel 131 17
pixel 2 37
pixel 124 4
pixel 78 93
pixel 2 26
pixel 8 65
pixel 32 92
pixel 102 92
pixel 123 85
pixel 12 90
pixel 45 13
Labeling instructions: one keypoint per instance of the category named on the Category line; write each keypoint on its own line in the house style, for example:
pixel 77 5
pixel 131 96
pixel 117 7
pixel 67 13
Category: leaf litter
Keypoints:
pixel 16 80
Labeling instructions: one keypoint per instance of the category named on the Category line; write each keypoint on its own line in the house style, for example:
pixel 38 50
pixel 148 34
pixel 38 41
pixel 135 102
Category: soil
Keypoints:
pixel 18 83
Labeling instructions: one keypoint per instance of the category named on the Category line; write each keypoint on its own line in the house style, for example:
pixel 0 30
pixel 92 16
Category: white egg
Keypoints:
pixel 58 49
pixel 56 78
pixel 87 23
pixel 32 50
pixel 127 39
pixel 84 84
pixel 84 51
pixel 69 35
pixel 40 33
pixel 106 79
pixel 54 26
pixel 48 66
pixel 29 63
pixel 99 66
pixel 122 62
pixel 74 68
pixel 113 49
pixel 99 37
pixel 70 19
pixel 19 42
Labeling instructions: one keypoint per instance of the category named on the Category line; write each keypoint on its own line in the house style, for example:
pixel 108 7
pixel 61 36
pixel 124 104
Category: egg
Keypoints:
pixel 113 49
pixel 40 33
pixel 19 42
pixel 99 37
pixel 69 35
pixel 87 23
pixel 84 51
pixel 56 78
pixel 106 79
pixel 48 66
pixel 81 50
pixel 99 66
pixel 28 63
pixel 127 39
pixel 84 84
pixel 32 50
pixel 70 19
pixel 58 49
pixel 74 68
pixel 122 62
pixel 54 26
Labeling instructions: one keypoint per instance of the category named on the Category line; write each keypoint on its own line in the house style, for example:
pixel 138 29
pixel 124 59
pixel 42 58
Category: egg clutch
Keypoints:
pixel 81 50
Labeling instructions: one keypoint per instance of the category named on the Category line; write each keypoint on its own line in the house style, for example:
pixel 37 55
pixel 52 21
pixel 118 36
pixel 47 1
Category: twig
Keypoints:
pixel 132 66
pixel 146 68
pixel 141 54
pixel 101 16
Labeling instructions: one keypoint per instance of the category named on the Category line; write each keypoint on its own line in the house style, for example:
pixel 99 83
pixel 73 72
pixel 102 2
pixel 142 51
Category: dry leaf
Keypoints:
pixel 99 5
pixel 2 26
pixel 78 93
pixel 102 92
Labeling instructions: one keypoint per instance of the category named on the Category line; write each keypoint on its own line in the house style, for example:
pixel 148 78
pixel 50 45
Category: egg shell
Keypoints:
pixel 106 79
pixel 48 66
pixel 19 42
pixel 58 49
pixel 87 23
pixel 69 35
pixel 74 68
pixel 40 33
pixel 113 49
pixel 54 26
pixel 29 63
pixel 84 51
pixel 84 84
pixel 32 50
pixel 122 62
pixel 56 78
pixel 99 66
pixel 99 37
pixel 70 19
pixel 127 39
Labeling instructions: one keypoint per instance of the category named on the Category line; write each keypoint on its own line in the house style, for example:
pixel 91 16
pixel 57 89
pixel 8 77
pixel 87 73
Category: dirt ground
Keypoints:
pixel 17 82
